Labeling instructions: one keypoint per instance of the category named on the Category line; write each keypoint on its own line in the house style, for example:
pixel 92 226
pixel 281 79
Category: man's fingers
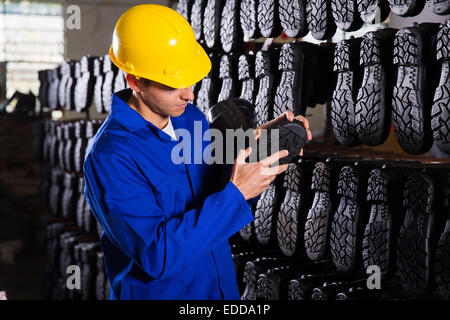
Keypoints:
pixel 289 115
pixel 303 120
pixel 274 157
pixel 243 154
pixel 257 133
pixel 275 170
pixel 308 134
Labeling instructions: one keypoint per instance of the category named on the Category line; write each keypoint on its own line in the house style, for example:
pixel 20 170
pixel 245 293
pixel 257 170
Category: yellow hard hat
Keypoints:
pixel 157 43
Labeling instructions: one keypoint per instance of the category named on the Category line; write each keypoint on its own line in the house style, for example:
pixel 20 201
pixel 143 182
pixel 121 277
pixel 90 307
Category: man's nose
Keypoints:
pixel 187 94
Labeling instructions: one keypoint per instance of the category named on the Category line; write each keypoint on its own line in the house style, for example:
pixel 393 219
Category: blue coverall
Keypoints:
pixel 166 226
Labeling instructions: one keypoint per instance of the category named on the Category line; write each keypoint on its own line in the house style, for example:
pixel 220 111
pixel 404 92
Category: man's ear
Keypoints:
pixel 133 82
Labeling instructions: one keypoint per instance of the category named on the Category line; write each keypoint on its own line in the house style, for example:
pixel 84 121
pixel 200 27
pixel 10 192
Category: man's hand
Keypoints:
pixel 290 116
pixel 253 178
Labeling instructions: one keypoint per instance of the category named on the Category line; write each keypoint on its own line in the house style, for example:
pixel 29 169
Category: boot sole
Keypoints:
pixel 196 18
pixel 344 235
pixel 291 137
pixel 293 18
pixel 288 219
pixel 377 241
pixel 408 110
pixel 318 219
pixel 343 102
pixel 406 8
pixel 414 242
pixel 440 117
pixel 368 10
pixel 346 15
pixel 229 28
pixel 245 76
pixel 211 23
pixel 442 264
pixel 440 7
pixel 264 215
pixel 228 89
pixel 374 97
pixel 263 101
pixel 287 96
pixel 320 19
pixel 268 18
pixel 440 122
pixel 248 19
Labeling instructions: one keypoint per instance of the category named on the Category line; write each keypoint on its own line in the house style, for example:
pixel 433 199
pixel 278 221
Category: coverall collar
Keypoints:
pixel 130 119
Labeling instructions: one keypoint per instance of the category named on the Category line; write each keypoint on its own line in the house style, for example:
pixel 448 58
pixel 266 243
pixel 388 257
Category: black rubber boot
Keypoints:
pixel 415 62
pixel 274 283
pixel 228 74
pixel 406 8
pixel 440 114
pixel 265 80
pixel 184 8
pixel 294 207
pixel 269 18
pixel 98 84
pixel 373 106
pixel 257 266
pixel 442 258
pixel 349 73
pixel 318 221
pixel 440 7
pixel 415 243
pixel 210 86
pixel 349 221
pixel 373 11
pixel 320 19
pixel 301 288
pixel 246 76
pixel 266 214
pixel 249 19
pixel 293 18
pixel 288 93
pixel 84 87
pixel 346 15
pixel 230 28
pixel 196 18
pixel 110 71
pixel 291 136
pixel 379 242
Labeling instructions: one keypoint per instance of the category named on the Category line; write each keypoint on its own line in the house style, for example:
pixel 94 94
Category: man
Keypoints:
pixel 166 225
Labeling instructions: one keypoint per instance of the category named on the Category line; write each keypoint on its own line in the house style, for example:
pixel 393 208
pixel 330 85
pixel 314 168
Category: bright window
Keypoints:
pixel 31 39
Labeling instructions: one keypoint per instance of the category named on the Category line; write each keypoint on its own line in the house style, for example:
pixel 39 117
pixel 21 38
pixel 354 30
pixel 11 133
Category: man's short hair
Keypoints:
pixel 146 82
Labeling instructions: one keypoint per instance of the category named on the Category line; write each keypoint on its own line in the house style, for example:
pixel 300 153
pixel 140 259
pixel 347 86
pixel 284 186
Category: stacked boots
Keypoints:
pixel 373 106
pixel 414 59
pixel 440 121
pixel 346 64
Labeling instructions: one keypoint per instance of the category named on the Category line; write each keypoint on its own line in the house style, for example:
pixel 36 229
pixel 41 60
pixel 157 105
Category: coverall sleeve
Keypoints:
pixel 126 206
pixel 222 171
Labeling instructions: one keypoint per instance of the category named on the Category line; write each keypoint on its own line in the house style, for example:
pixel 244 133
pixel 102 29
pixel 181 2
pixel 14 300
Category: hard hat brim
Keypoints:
pixel 185 77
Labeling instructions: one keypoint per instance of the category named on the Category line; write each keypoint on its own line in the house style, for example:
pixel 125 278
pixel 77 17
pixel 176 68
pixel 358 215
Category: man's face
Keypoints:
pixel 162 99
